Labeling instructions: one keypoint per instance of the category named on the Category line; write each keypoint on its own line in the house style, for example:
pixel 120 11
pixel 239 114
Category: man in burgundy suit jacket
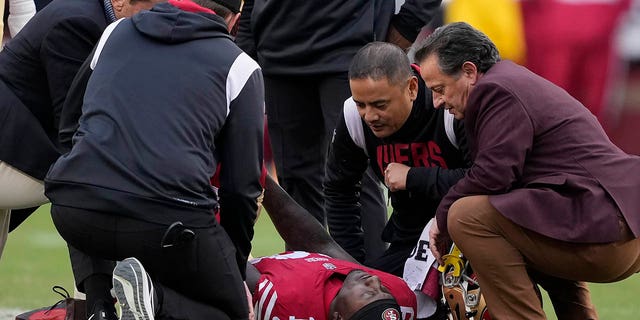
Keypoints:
pixel 548 193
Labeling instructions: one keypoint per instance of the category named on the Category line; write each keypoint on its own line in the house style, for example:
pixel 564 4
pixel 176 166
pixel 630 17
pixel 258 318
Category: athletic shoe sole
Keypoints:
pixel 133 289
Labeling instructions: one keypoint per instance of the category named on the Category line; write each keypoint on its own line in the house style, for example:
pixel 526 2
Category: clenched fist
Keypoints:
pixel 395 176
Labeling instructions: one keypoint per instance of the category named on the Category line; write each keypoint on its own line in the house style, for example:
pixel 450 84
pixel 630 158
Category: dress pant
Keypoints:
pixel 510 259
pixel 5 214
pixel 1 33
pixel 393 259
pixel 17 190
pixel 302 113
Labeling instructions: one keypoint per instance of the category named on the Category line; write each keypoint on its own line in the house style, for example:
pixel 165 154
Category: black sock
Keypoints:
pixel 98 289
pixel 158 297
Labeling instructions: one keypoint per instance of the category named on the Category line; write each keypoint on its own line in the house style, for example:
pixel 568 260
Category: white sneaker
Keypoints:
pixel 134 290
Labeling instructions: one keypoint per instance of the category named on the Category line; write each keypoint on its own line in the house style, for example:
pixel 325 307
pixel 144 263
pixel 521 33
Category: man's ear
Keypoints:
pixel 232 20
pixel 413 87
pixel 470 70
pixel 336 316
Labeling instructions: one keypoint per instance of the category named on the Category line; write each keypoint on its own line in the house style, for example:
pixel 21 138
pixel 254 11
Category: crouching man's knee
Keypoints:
pixel 468 214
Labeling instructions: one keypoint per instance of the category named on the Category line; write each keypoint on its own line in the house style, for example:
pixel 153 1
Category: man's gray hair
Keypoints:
pixel 456 43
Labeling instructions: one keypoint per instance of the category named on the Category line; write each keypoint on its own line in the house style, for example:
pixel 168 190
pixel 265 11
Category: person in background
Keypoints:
pixel 305 48
pixel 548 193
pixel 135 186
pixel 564 36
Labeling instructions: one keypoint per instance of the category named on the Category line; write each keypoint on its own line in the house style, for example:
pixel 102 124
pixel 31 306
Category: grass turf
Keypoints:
pixel 36 258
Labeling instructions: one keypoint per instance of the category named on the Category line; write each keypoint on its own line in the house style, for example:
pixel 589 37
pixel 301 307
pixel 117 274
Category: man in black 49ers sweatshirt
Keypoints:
pixel 391 126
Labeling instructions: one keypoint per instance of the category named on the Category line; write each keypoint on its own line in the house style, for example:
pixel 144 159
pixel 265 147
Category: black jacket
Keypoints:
pixel 36 69
pixel 170 97
pixel 438 157
pixel 310 37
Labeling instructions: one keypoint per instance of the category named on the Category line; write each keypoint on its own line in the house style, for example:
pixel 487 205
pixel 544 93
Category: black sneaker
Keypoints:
pixel 103 310
pixel 134 290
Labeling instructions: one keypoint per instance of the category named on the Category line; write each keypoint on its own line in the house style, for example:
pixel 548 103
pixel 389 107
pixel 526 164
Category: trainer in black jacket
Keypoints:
pixel 304 49
pixel 37 67
pixel 389 121
pixel 170 96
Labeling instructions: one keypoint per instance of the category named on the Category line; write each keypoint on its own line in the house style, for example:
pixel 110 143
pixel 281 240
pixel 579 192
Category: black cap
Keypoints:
pixel 233 5
pixel 385 309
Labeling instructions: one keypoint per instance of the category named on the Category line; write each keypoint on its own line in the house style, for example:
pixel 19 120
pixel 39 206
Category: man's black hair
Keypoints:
pixel 222 8
pixel 379 60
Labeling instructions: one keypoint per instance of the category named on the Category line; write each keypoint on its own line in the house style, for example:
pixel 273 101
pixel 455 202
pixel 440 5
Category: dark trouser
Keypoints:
pixel 18 216
pixel 84 266
pixel 199 280
pixel 393 259
pixel 510 260
pixel 302 113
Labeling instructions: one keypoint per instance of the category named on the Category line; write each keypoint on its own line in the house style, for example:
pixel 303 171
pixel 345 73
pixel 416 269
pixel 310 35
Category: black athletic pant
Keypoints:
pixel 84 266
pixel 199 280
pixel 302 113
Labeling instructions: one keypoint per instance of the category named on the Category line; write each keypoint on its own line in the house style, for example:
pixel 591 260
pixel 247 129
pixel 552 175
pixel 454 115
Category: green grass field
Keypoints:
pixel 36 258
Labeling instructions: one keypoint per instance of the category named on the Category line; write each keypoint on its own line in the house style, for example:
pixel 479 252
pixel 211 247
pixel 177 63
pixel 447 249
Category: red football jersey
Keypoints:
pixel 299 285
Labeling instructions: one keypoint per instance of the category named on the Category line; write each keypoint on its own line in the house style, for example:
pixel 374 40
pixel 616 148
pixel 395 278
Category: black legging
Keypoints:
pixel 199 280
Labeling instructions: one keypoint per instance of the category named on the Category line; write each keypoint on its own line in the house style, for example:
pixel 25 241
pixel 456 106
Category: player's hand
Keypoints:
pixel 395 176
pixel 250 301
pixel 438 242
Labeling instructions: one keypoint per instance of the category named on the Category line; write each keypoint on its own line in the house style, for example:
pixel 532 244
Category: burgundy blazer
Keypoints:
pixel 545 161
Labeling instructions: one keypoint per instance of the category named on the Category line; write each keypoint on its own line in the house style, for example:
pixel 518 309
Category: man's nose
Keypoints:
pixel 370 114
pixel 373 281
pixel 438 100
